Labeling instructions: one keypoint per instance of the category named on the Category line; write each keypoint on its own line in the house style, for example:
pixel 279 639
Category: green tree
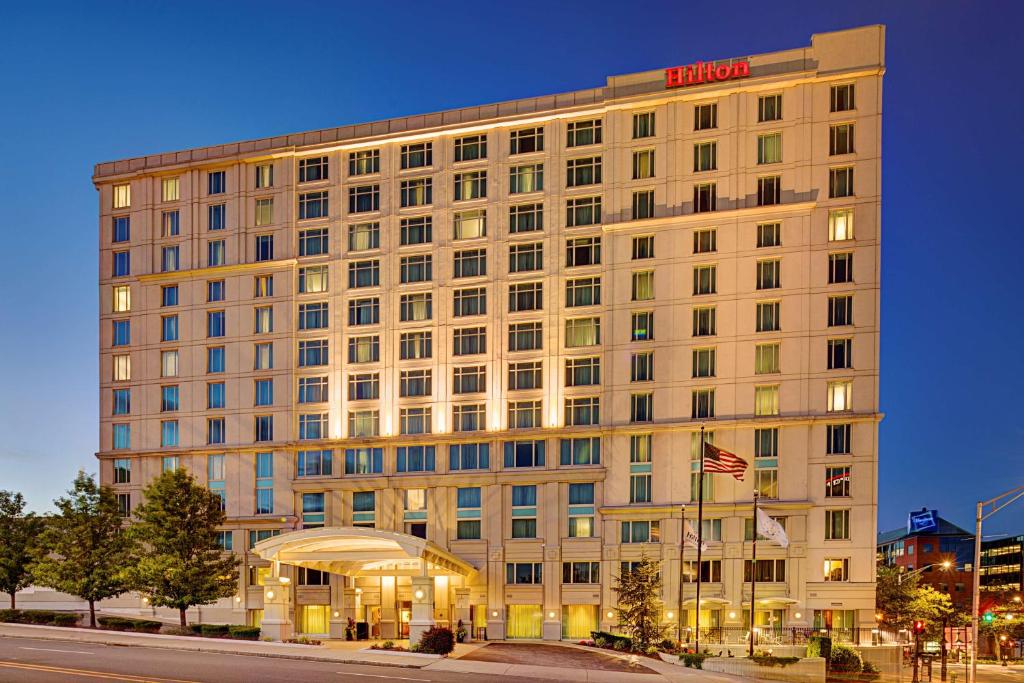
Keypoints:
pixel 18 531
pixel 84 549
pixel 901 599
pixel 179 562
pixel 1007 620
pixel 639 608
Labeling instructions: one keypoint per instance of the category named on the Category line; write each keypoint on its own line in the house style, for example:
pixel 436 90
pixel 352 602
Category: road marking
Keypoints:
pixel 50 649
pixel 110 676
pixel 397 678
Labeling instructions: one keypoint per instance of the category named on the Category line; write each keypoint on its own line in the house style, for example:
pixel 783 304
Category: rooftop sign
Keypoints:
pixel 701 72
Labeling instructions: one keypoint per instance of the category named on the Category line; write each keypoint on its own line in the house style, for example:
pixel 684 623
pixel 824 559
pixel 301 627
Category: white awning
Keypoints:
pixel 706 602
pixel 359 551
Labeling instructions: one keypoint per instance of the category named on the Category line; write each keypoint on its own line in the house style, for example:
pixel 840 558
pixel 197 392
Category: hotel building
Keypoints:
pixel 454 366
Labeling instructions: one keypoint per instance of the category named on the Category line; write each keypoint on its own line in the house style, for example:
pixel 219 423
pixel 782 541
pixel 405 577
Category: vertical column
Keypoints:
pixel 422 607
pixel 388 608
pixel 277 602
pixel 338 619
pixel 462 611
pixel 551 628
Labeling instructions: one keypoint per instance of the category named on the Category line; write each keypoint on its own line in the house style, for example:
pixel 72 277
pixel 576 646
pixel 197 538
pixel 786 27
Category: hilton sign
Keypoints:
pixel 695 74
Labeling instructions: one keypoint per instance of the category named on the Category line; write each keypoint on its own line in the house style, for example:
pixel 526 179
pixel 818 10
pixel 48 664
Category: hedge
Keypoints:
pixel 244 632
pixel 613 639
pixel 238 631
pixel 125 624
pixel 213 630
pixel 38 616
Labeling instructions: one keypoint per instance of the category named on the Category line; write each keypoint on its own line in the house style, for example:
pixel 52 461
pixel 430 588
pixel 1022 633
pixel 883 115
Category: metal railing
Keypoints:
pixel 766 637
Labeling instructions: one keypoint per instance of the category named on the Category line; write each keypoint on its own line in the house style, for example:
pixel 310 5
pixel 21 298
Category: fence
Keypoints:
pixel 770 636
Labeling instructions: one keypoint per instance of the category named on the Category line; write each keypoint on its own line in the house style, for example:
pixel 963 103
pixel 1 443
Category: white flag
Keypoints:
pixel 770 529
pixel 691 537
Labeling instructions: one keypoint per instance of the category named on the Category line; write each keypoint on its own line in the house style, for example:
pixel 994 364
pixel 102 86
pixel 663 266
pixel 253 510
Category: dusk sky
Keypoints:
pixel 87 82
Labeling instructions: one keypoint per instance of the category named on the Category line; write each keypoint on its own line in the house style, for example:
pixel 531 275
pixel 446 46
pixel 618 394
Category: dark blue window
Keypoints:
pixel 122 332
pixel 122 264
pixel 122 229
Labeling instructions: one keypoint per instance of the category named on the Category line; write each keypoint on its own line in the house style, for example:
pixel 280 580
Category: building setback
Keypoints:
pixel 492 334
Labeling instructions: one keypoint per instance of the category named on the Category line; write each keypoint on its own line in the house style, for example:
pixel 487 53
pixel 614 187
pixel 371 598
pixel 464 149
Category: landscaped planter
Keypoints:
pixel 806 670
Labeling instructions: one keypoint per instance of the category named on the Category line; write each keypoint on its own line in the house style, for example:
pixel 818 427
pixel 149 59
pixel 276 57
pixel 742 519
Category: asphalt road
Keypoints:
pixel 990 673
pixel 25 660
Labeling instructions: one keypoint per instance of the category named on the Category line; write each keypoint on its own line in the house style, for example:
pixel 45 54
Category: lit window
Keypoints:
pixel 122 299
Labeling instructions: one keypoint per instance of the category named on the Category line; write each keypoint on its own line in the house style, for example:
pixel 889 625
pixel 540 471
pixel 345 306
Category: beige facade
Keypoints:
pixel 729 277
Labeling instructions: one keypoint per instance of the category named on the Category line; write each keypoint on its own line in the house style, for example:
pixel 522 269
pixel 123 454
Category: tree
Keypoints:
pixel 179 562
pixel 894 594
pixel 639 608
pixel 18 531
pixel 84 549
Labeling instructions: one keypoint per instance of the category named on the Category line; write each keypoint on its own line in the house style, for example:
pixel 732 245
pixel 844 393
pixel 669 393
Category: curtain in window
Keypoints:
pixel 314 619
pixel 578 621
pixel 524 621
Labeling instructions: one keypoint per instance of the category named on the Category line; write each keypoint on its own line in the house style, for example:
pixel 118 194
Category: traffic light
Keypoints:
pixel 918 626
pixel 989 617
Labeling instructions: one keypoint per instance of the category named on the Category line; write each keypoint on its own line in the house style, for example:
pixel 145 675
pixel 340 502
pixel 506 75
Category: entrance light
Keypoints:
pixel 418 594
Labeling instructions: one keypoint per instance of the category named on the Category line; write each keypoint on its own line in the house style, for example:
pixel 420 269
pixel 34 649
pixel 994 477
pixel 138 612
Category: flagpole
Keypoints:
pixel 700 540
pixel 682 553
pixel 753 575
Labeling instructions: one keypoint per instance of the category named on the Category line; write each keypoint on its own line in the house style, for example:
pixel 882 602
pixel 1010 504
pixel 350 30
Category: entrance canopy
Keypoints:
pixel 359 551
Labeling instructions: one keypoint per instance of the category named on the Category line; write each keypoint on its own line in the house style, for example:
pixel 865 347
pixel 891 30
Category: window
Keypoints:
pixel 837 525
pixel 264 247
pixel 124 504
pixel 840 139
pixel 313 242
pixel 264 212
pixel 470 263
pixel 769 108
pixel 312 510
pixel 581 451
pixel 523 572
pixel 524 512
pixel 768 316
pixel 705 197
pixel 841 97
pixel 840 310
pixel 526 140
pixel 766 400
pixel 122 298
pixel 524 453
pixel 836 569
pixel 840 268
pixel 837 439
pixel 704 321
pixel 313 316
pixel 766 358
pixel 415 383
pixel 122 264
pixel 840 182
pixel 361 237
pixel 364 161
pixel 121 438
pixel 417 268
pixel 412 345
pixel 581 572
pixel 469 380
pixel 314 463
pixel 470 224
pixel 641 367
pixel 711 530
pixel 264 392
pixel 840 352
pixel 641 408
pixel 643 205
pixel 169 398
pixel 705 241
pixel 468 418
pixel 170 223
pixel 122 402
pixel 524 414
pixel 710 571
pixel 702 403
pixel 216 182
pixel 363 198
pixel 641 532
pixel 470 185
pixel 264 483
pixel 769 274
pixel 525 296
pixel 471 147
pixel 364 461
pixel 263 286
pixel 840 396
pixel 769 148
pixel 704 362
pixel 584 291
pixel 769 190
pixel 312 169
pixel 643 247
pixel 643 125
pixel 122 229
pixel 263 356
pixel 122 367
pixel 122 471
pixel 643 164
pixel 840 225
pixel 525 218
pixel 170 261
pixel 582 332
pixel 705 156
pixel 216 217
pixel 415 459
pixel 214 360
pixel 837 482
pixel 769 235
pixel 525 375
pixel 705 279
pixel 417 155
pixel 582 411
pixel 169 328
pixel 582 171
pixel 363 311
pixel 313 279
pixel 524 179
pixel 122 196
pixel 313 390
pixel 580 133
pixel 169 433
pixel 264 428
pixel 416 192
pixel 363 274
pixel 581 372
pixel 313 353
pixel 525 336
pixel 413 231
pixel 415 307
pixel 643 286
pixel 214 395
pixel 525 257
pixel 467 513
pixel 169 364
pixel 264 176
pixel 363 386
pixel 705 116
pixel 469 456
pixel 583 251
pixel 583 211
pixel 768 571
pixel 313 205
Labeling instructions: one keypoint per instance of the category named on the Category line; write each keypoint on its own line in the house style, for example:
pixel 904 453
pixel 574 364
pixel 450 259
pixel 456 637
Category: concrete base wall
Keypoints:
pixel 888 658
pixel 808 670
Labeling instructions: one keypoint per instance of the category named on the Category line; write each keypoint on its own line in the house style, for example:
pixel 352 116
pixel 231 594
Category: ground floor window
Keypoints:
pixel 524 621
pixel 709 618
pixel 255 618
pixel 835 618
pixel 578 621
pixel 313 619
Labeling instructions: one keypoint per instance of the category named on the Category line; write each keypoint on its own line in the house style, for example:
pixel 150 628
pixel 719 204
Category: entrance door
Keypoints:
pixel 404 615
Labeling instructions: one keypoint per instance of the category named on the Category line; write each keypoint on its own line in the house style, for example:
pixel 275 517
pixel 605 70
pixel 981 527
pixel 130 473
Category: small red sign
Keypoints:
pixel 701 72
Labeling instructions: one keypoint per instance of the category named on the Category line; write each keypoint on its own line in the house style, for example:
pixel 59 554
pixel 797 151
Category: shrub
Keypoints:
pixel 114 623
pixel 178 631
pixel 388 644
pixel 244 632
pixel 65 619
pixel 620 645
pixel 667 645
pixel 303 640
pixel 214 630
pixel 772 660
pixel 197 629
pixel 10 616
pixel 146 625
pixel 600 642
pixel 870 672
pixel 693 660
pixel 37 616
pixel 845 659
pixel 437 641
pixel 819 646
pixel 611 639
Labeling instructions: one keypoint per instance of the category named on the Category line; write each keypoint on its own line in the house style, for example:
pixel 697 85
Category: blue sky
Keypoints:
pixel 88 82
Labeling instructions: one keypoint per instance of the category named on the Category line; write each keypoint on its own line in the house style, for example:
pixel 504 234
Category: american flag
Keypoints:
pixel 721 460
